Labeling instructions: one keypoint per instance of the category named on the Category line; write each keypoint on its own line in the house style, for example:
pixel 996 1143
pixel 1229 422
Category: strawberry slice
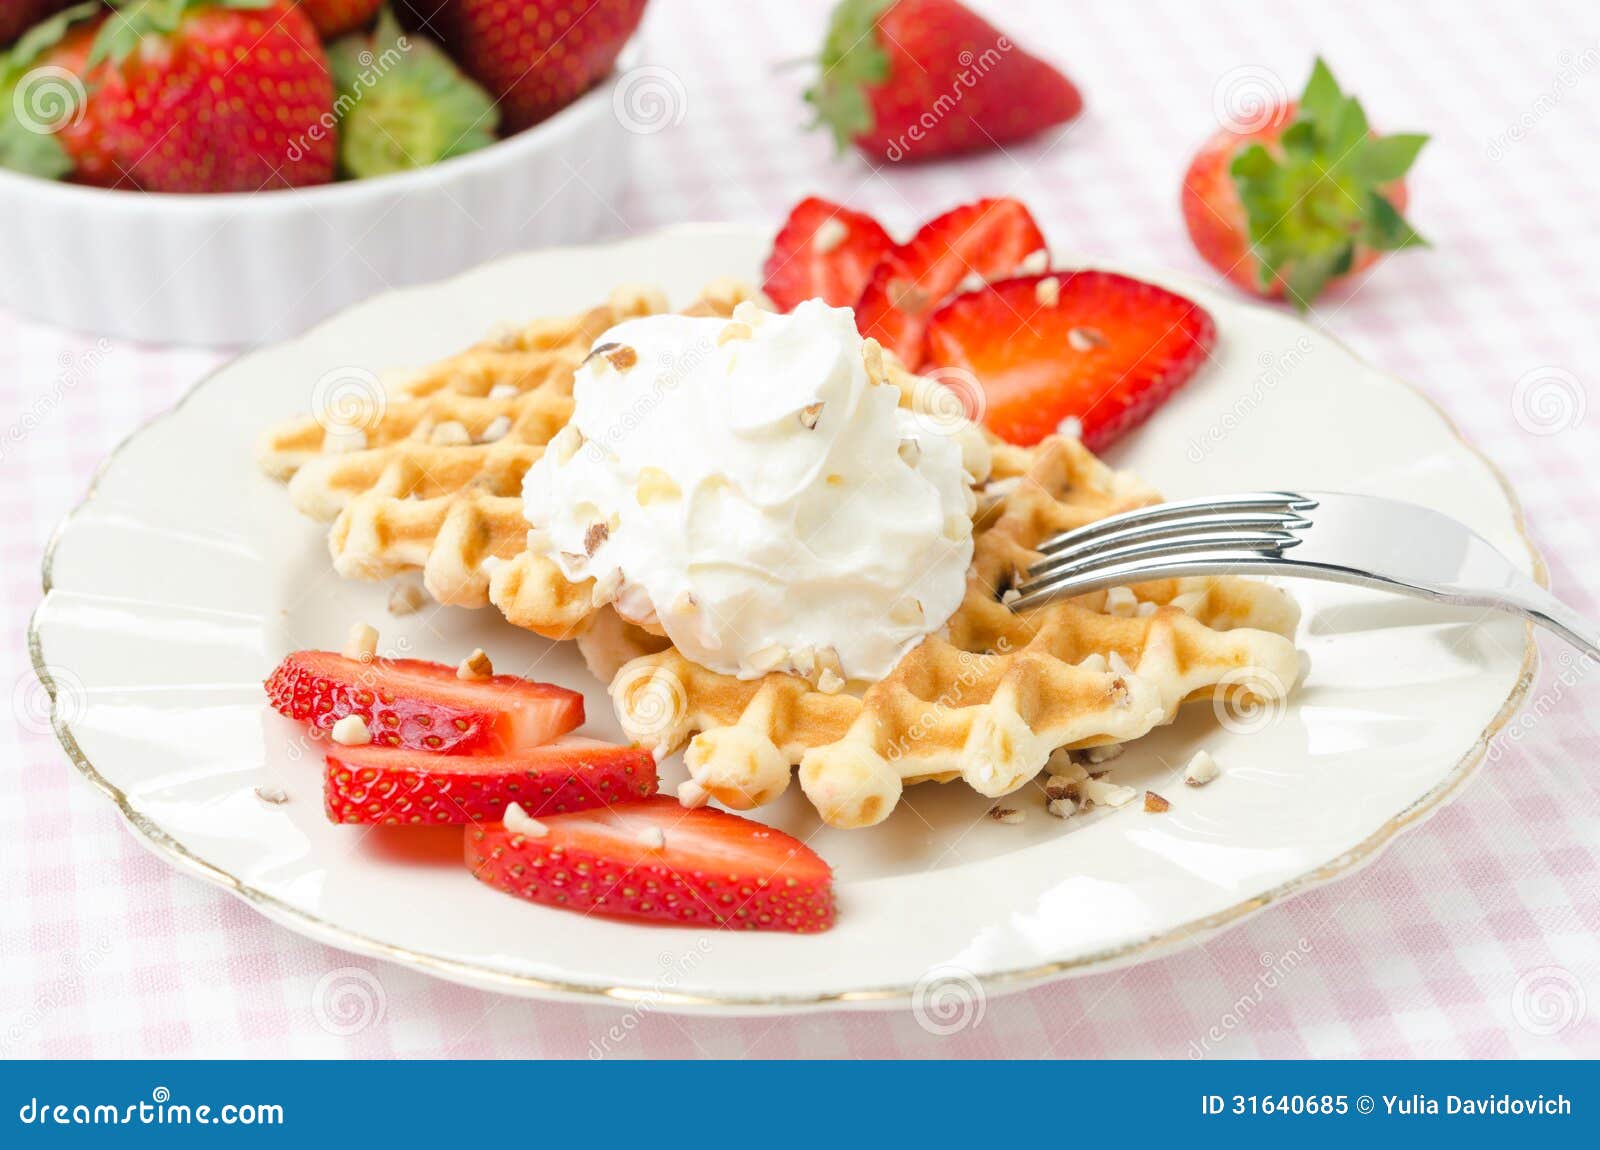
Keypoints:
pixel 659 861
pixel 1103 348
pixel 823 251
pixel 988 239
pixel 421 705
pixel 395 786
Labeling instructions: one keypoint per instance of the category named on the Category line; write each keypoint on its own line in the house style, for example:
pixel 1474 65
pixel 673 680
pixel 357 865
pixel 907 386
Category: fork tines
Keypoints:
pixel 1152 542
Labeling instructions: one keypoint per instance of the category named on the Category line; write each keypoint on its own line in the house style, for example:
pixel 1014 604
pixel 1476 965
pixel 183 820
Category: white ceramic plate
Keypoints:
pixel 175 589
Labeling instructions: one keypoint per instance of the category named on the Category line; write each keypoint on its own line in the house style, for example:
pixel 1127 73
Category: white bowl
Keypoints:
pixel 247 268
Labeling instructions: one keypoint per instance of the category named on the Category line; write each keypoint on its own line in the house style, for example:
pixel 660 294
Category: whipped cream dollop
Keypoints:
pixel 746 487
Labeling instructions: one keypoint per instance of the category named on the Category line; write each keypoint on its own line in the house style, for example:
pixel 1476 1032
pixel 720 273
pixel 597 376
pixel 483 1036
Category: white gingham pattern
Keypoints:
pixel 1474 935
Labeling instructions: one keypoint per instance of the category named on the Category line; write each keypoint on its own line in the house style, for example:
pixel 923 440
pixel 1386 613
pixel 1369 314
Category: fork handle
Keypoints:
pixel 1543 608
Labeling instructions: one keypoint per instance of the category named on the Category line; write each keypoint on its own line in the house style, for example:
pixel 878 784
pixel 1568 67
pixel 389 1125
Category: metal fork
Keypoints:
pixel 1358 539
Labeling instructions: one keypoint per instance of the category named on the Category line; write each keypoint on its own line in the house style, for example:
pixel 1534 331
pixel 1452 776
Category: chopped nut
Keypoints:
pixel 1034 262
pixel 733 331
pixel 595 537
pixel 503 391
pixel 994 493
pixel 748 311
pixel 1047 293
pixel 475 666
pixel 1085 339
pixel 810 415
pixel 1155 804
pixel 1062 808
pixel 1145 610
pixel 1122 602
pixel 406 598
pixel 1108 794
pixel 1010 595
pixel 361 643
pixel 1070 428
pixel 769 658
pixel 519 822
pixel 910 452
pixel 450 433
pixel 872 359
pixel 804 661
pixel 1201 769
pixel 1062 787
pixel 1061 764
pixel 619 356
pixel 907 612
pixel 830 682
pixel 1104 753
pixel 907 296
pixel 829 234
pixel 1011 816
pixel 273 795
pixel 653 838
pixel 498 429
pixel 691 794
pixel 351 731
pixel 828 660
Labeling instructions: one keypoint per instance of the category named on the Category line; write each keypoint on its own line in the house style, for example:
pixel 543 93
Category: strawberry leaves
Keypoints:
pixel 1321 194
pixel 403 104
pixel 133 20
pixel 852 61
pixel 35 102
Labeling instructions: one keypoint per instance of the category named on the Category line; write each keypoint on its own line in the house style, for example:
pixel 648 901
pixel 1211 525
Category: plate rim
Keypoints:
pixel 165 846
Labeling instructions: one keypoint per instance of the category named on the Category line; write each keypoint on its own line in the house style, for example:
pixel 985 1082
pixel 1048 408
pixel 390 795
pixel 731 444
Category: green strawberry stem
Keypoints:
pixel 133 20
pixel 33 105
pixel 852 61
pixel 403 104
pixel 1317 196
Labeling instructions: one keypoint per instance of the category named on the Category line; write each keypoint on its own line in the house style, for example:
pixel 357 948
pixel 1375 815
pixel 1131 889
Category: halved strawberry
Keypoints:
pixel 823 251
pixel 390 785
pixel 1103 348
pixel 660 861
pixel 422 705
pixel 988 239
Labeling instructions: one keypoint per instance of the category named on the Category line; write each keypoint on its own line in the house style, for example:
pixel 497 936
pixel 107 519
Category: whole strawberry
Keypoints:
pixel 336 17
pixel 1301 197
pixel 17 16
pixel 917 79
pixel 176 96
pixel 534 56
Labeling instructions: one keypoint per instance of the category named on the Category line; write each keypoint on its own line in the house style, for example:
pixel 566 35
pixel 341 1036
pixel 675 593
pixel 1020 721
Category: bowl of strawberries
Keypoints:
pixel 223 172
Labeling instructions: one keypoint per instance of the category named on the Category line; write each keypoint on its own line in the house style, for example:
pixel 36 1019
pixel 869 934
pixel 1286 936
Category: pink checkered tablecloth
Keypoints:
pixel 1476 934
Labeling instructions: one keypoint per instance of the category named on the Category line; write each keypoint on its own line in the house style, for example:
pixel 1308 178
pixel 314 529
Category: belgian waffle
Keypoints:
pixel 425 472
pixel 989 699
